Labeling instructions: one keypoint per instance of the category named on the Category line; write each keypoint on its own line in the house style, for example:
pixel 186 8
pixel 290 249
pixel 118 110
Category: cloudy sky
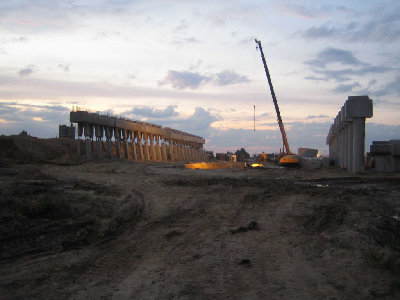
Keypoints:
pixel 193 66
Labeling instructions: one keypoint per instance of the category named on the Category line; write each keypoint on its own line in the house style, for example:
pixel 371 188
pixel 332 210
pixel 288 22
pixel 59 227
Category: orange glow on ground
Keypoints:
pixel 213 165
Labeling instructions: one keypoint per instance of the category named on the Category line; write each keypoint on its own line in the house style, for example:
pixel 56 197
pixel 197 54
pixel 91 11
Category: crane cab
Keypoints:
pixel 290 160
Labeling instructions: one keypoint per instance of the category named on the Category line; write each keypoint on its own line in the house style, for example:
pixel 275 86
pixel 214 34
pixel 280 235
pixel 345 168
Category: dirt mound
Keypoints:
pixel 39 214
pixel 27 149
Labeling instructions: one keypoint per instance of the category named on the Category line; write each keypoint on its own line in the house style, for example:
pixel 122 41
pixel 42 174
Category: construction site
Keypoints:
pixel 116 208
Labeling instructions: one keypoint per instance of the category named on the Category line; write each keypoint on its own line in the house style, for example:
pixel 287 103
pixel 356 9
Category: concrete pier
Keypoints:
pixel 346 137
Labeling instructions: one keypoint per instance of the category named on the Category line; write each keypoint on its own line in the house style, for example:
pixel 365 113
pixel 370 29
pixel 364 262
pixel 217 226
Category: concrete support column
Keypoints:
pixel 127 154
pixel 80 130
pixel 158 149
pixel 99 132
pixel 191 152
pixel 153 155
pixel 78 147
pixel 89 152
pixel 146 147
pixel 109 149
pixel 88 131
pixel 184 152
pixel 350 147
pixel 194 154
pixel 134 148
pixel 358 144
pixel 117 134
pixel 345 147
pixel 108 132
pixel 334 145
pixel 171 151
pixel 164 154
pixel 140 147
pixel 179 151
pixel 99 149
pixel 175 151
pixel 341 148
pixel 118 146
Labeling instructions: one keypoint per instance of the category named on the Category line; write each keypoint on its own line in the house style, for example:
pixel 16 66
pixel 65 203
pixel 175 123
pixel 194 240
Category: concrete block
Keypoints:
pixel 395 147
pixel 340 123
pixel 343 115
pixel 307 152
pixel 382 149
pixel 380 142
pixel 314 162
pixel 387 163
pixel 358 107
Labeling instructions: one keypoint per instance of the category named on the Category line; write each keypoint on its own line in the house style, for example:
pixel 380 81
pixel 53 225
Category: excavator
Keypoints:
pixel 286 157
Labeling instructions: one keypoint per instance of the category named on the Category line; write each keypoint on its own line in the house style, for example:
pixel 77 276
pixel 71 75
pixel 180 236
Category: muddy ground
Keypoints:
pixel 159 231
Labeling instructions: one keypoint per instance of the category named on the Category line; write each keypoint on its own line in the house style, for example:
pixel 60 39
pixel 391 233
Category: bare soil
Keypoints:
pixel 159 231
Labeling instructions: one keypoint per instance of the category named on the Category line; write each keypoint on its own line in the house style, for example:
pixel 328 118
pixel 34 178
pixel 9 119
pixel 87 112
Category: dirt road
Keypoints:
pixel 159 231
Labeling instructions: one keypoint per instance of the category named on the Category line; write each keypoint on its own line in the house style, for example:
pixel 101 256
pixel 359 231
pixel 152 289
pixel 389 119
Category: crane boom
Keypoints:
pixel 281 127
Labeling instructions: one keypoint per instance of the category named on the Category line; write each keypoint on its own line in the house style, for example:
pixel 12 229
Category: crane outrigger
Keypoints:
pixel 286 157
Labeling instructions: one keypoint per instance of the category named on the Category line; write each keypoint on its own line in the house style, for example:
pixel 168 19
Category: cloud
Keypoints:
pixel 381 27
pixel 184 79
pixel 63 67
pixel 391 88
pixel 270 140
pixel 230 77
pixel 151 112
pixel 345 88
pixel 334 55
pixel 183 25
pixel 194 80
pixel 28 70
pixel 310 117
pixel 38 120
pixel 324 66
pixel 315 78
pixel 199 123
pixel 345 74
pixel 300 134
pixel 310 12
pixel 20 39
pixel 231 11
pixel 185 40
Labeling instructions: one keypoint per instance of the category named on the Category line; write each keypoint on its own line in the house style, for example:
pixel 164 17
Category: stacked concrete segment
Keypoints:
pixel 386 155
pixel 346 136
pixel 134 140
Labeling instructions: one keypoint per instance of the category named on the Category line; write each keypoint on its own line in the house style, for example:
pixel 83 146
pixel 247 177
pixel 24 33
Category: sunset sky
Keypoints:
pixel 193 66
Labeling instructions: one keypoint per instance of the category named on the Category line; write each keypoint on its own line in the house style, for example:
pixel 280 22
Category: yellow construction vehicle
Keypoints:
pixel 285 158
